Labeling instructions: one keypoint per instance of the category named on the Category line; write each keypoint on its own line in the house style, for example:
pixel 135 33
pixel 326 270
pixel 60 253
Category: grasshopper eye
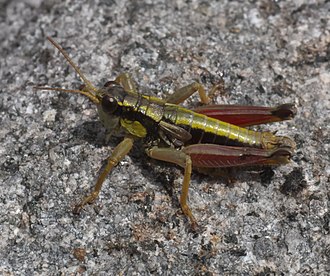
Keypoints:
pixel 82 87
pixel 109 104
pixel 110 83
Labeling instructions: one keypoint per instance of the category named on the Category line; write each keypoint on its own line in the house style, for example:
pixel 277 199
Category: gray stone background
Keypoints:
pixel 52 145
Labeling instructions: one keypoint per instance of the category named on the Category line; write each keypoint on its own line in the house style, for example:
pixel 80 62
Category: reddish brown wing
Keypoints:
pixel 248 115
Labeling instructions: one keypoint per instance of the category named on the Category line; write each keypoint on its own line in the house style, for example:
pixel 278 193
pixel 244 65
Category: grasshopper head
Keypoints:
pixel 106 99
pixel 111 99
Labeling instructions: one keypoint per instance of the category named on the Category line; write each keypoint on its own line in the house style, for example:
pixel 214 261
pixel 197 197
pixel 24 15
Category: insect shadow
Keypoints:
pixel 92 132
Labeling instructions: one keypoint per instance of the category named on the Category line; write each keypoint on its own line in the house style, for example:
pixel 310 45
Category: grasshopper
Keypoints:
pixel 207 138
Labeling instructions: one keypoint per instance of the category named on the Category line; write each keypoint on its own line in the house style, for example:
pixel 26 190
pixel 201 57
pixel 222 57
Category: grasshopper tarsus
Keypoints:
pixel 79 206
pixel 77 209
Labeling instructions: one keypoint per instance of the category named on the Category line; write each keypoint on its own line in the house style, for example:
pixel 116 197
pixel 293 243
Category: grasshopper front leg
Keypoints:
pixel 183 160
pixel 119 152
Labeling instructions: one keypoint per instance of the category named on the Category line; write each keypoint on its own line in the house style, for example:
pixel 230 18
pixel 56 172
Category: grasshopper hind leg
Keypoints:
pixel 183 160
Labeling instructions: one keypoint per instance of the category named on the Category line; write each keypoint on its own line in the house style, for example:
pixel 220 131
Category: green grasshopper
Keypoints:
pixel 206 138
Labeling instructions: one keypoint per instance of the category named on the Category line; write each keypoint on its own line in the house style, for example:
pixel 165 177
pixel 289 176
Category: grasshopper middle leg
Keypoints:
pixel 185 92
pixel 127 82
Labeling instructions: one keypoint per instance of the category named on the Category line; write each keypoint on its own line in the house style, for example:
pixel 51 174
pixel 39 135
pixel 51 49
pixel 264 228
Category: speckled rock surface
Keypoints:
pixel 52 145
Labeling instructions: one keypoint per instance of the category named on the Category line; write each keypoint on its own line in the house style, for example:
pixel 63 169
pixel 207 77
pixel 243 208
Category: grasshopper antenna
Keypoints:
pixel 87 90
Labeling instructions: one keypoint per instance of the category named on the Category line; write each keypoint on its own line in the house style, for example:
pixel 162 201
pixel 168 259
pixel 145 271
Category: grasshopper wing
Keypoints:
pixel 248 115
